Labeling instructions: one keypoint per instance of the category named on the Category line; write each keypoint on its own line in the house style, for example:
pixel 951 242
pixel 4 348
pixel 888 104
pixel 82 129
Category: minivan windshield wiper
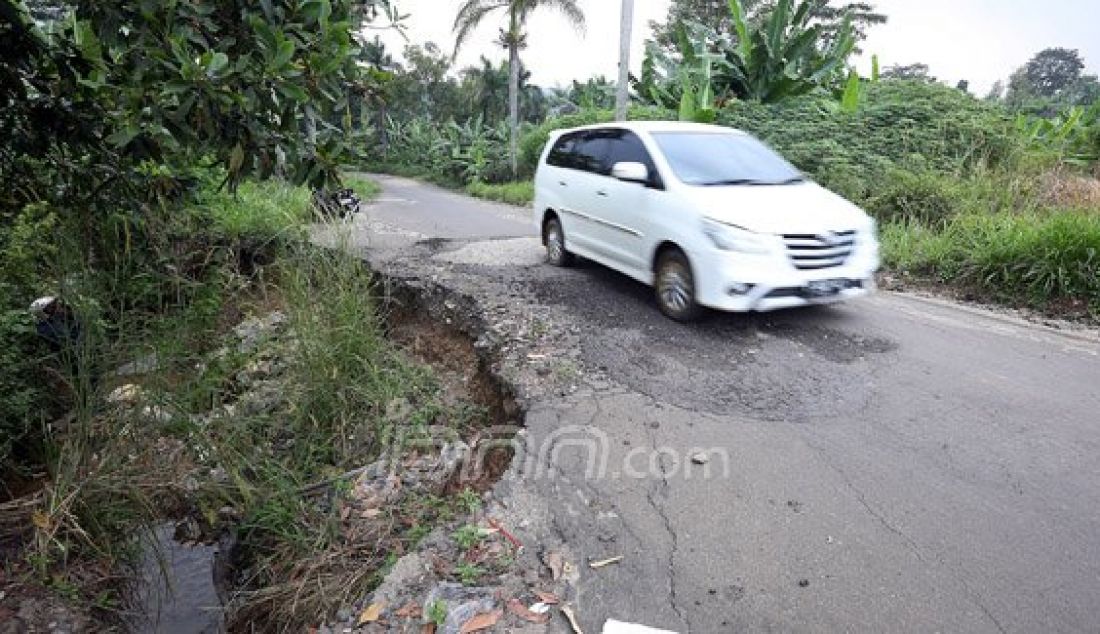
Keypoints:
pixel 732 181
pixel 791 181
pixel 752 181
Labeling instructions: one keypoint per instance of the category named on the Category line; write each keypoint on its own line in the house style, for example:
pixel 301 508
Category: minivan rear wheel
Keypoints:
pixel 556 253
pixel 675 287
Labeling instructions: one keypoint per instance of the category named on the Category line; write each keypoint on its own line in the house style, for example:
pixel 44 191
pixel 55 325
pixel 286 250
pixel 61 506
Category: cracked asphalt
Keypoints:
pixel 896 464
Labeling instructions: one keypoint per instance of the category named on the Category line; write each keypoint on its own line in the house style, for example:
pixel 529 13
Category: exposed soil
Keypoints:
pixel 442 332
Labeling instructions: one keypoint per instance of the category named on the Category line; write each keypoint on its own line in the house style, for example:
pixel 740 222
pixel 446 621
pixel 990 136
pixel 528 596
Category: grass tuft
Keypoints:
pixel 520 193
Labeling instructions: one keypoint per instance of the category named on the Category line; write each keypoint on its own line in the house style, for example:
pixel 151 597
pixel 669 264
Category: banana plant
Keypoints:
pixel 687 84
pixel 854 87
pixel 696 74
pixel 1074 134
pixel 781 57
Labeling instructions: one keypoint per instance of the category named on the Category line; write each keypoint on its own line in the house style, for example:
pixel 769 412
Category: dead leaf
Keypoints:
pixel 410 611
pixel 40 519
pixel 516 607
pixel 595 565
pixel 482 621
pixel 371 614
pixel 547 597
pixel 555 562
pixel 572 616
pixel 428 628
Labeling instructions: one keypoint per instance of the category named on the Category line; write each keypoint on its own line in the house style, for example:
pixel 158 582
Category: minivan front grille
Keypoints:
pixel 822 251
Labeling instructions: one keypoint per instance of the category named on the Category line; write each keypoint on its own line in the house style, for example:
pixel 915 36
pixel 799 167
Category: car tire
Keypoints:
pixel 674 287
pixel 554 238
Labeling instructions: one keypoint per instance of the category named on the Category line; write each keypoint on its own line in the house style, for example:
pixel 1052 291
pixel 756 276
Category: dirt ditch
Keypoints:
pixel 445 332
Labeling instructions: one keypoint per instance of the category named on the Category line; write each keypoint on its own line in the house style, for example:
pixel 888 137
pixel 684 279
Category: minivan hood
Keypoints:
pixel 799 208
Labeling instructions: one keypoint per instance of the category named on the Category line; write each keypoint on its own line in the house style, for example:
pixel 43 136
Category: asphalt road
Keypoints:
pixel 895 464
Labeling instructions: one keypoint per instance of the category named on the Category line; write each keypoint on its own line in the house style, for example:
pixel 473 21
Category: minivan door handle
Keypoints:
pixel 601 193
pixel 562 183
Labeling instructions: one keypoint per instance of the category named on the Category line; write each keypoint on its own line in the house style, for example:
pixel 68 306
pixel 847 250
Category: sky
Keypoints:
pixel 981 41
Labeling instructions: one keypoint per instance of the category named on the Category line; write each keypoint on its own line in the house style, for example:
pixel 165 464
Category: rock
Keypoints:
pixel 700 457
pixel 12 625
pixel 372 492
pixel 441 468
pixel 145 365
pixel 343 615
pixel 264 398
pixel 189 483
pixel 125 395
pixel 157 415
pixel 252 331
pixel 463 604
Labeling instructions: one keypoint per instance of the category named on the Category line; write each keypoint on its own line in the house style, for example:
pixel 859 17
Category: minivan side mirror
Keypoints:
pixel 630 172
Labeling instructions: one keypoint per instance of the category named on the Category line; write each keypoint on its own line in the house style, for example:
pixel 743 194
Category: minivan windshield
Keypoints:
pixel 719 158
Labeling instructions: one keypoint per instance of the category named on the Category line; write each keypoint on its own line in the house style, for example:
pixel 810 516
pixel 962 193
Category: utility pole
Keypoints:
pixel 622 96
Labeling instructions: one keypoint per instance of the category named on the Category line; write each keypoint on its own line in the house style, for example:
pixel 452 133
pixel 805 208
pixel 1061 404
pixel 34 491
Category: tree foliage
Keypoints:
pixel 113 113
pixel 917 71
pixel 716 14
pixel 782 54
pixel 1053 70
pixel 513 37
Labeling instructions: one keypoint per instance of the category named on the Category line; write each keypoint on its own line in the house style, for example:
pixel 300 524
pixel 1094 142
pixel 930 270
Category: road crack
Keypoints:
pixel 674 539
pixel 909 542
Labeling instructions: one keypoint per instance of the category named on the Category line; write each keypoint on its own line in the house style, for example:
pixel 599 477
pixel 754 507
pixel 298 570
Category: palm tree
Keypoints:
pixel 512 38
pixel 486 88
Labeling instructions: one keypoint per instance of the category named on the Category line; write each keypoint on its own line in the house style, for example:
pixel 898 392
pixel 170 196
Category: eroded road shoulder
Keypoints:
pixel 887 465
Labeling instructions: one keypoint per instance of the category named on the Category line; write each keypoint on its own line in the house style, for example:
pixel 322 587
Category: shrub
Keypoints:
pixel 914 197
pixel 27 270
pixel 900 125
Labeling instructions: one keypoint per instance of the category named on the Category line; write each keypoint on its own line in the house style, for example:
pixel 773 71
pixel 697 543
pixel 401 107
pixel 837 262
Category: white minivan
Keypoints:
pixel 708 216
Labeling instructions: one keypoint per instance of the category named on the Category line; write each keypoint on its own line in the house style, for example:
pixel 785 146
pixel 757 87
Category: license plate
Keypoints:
pixel 820 288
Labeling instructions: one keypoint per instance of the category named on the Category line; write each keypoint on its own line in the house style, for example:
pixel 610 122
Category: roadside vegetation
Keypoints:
pixel 995 198
pixel 201 362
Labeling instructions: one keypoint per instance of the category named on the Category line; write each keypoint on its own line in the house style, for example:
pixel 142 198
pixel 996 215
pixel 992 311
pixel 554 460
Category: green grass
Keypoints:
pixel 1046 260
pixel 518 193
pixel 262 209
pixel 367 189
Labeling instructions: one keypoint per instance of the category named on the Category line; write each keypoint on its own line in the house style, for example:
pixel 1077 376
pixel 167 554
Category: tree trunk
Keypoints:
pixel 513 90
pixel 513 107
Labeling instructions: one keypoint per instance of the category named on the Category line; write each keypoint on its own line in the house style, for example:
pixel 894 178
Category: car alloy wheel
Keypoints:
pixel 676 288
pixel 556 253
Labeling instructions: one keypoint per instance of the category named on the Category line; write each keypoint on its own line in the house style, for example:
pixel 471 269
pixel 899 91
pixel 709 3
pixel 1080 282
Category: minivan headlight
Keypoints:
pixel 733 238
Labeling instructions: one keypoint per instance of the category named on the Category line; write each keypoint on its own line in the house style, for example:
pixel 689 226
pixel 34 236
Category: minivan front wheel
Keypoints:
pixel 554 237
pixel 675 287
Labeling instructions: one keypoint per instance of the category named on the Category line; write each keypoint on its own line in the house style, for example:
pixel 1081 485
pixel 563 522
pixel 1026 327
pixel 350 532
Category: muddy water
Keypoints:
pixel 177 593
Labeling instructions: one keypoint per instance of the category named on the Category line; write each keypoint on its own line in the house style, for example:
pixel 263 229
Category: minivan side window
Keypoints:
pixel 590 152
pixel 596 151
pixel 626 147
pixel 561 155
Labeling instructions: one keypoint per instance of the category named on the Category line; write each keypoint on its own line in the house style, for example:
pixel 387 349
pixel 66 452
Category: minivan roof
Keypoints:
pixel 657 126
